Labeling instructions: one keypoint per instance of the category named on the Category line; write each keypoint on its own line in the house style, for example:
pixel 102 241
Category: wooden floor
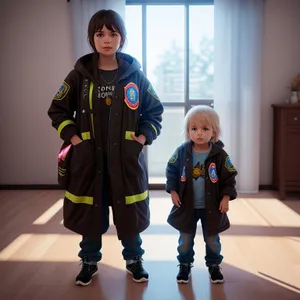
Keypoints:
pixel 38 256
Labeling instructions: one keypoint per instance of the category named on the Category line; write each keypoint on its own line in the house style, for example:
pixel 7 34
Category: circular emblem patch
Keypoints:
pixel 212 171
pixel 131 96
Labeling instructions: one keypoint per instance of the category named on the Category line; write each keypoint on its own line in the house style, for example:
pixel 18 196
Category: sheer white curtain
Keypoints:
pixel 238 64
pixel 82 11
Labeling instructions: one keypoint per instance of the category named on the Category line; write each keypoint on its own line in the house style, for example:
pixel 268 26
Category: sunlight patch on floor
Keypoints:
pixel 47 247
pixel 275 212
pixel 266 256
pixel 49 213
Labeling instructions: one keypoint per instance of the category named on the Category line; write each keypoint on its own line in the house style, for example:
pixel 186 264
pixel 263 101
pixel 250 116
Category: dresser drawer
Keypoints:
pixel 293 118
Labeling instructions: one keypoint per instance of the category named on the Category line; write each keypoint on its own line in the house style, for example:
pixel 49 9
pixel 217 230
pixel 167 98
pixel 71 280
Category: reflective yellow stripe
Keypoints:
pixel 79 199
pixel 128 135
pixel 86 135
pixel 63 125
pixel 91 106
pixel 136 198
pixel 154 129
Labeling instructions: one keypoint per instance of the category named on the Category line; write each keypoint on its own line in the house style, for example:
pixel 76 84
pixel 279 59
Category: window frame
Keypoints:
pixel 187 103
pixel 169 2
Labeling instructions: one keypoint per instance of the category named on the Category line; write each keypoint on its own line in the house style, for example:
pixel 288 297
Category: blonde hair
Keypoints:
pixel 208 114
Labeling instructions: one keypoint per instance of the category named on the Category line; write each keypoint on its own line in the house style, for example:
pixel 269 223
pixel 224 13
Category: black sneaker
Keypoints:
pixel 216 275
pixel 137 271
pixel 88 270
pixel 184 273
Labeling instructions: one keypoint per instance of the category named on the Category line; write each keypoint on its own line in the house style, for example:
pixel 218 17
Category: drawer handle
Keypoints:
pixel 295 119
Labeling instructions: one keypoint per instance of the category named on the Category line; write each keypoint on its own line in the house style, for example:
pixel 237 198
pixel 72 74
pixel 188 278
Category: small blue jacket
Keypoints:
pixel 219 181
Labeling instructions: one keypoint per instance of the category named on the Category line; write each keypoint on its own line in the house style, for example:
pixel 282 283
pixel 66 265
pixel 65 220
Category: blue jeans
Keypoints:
pixel 212 244
pixel 91 248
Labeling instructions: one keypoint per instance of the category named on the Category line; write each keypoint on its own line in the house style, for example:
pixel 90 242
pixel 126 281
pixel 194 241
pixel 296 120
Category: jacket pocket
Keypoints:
pixel 217 222
pixel 134 168
pixel 175 211
pixel 82 158
pixel 63 171
pixel 182 218
pixel 82 169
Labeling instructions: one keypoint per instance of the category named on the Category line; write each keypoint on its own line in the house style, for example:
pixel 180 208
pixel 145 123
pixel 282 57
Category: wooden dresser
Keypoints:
pixel 286 156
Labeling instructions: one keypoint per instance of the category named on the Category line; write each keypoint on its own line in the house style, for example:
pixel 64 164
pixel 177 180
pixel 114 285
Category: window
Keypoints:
pixel 165 51
pixel 160 151
pixel 201 55
pixel 133 45
pixel 173 40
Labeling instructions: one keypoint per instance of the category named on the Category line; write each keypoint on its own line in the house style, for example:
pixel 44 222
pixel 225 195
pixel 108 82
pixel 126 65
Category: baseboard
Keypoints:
pixel 152 187
pixel 266 187
pixel 29 187
pixel 56 187
pixel 156 187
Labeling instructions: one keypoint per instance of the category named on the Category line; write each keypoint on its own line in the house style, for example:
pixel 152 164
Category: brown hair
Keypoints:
pixel 111 20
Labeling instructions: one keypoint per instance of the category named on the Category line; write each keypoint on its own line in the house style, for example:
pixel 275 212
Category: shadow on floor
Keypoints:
pixel 55 280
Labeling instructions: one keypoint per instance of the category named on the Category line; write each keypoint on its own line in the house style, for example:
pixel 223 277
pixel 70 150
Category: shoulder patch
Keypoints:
pixel 173 157
pixel 131 92
pixel 228 165
pixel 62 91
pixel 151 91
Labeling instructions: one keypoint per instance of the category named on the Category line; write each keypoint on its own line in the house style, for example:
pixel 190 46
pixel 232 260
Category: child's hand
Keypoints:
pixel 224 205
pixel 175 198
pixel 140 139
pixel 75 140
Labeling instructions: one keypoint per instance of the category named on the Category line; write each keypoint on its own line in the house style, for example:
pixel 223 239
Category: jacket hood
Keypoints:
pixel 87 65
pixel 220 144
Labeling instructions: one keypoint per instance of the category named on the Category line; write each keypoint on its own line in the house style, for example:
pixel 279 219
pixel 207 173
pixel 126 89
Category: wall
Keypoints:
pixel 37 53
pixel 281 62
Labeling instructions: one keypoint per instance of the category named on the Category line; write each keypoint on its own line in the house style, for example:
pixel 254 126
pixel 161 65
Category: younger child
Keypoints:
pixel 201 181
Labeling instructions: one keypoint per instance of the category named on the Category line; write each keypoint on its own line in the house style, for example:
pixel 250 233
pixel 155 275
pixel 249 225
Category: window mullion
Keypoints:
pixel 144 38
pixel 186 58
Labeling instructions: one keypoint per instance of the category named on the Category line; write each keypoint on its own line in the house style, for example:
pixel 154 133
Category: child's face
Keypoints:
pixel 107 42
pixel 200 131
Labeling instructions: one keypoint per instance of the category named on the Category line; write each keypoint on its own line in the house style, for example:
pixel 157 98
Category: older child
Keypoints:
pixel 107 110
pixel 201 181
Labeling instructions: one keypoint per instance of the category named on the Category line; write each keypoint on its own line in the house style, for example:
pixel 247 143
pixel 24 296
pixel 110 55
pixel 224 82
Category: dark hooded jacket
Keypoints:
pixel 135 109
pixel 219 181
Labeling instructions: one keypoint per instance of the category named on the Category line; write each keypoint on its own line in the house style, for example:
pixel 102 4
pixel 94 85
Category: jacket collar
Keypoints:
pixel 87 65
pixel 215 149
